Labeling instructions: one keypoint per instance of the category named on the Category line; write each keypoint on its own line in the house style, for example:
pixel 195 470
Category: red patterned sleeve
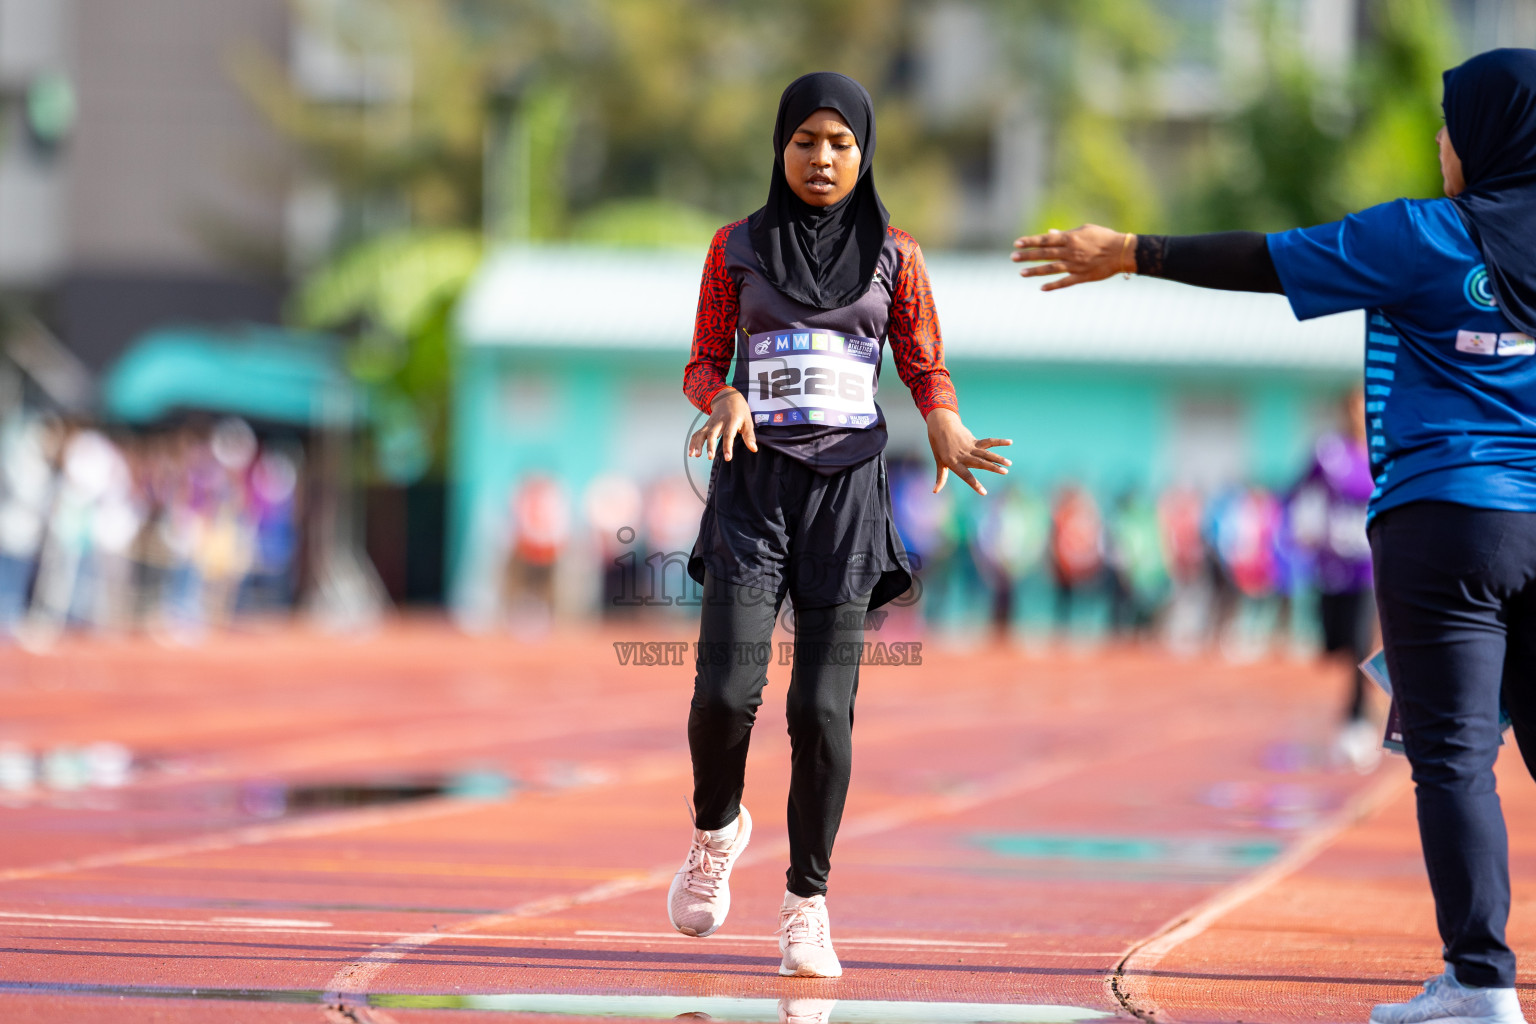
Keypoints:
pixel 914 332
pixel 714 328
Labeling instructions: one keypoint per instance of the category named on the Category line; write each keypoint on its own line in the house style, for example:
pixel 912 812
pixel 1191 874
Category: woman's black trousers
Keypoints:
pixel 1456 588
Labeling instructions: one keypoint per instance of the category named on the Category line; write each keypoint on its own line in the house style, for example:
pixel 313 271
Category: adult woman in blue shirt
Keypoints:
pixel 1449 290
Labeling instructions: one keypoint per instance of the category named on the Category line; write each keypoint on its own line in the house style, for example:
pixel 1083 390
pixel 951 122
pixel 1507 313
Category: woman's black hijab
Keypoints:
pixel 1490 113
pixel 822 256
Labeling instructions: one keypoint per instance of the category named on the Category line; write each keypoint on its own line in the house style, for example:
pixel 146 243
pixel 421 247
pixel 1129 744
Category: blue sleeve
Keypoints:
pixel 1364 261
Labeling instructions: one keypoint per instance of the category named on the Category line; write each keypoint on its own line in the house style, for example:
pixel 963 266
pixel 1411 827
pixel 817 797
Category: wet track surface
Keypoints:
pixel 428 827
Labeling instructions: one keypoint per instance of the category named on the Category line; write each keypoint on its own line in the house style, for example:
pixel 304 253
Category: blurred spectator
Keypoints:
pixel 27 448
pixel 192 496
pixel 1077 552
pixel 1138 564
pixel 226 548
pixel 94 481
pixel 671 525
pixel 117 518
pixel 613 506
pixel 540 529
pixel 1328 510
pixel 1188 623
pixel 923 519
pixel 933 532
pixel 273 492
pixel 1242 523
pixel 1009 547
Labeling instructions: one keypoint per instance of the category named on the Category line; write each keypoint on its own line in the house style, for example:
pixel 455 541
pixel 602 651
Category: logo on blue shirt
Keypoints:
pixel 1477 289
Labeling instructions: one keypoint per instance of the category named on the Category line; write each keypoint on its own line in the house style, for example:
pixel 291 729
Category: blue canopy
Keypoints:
pixel 261 372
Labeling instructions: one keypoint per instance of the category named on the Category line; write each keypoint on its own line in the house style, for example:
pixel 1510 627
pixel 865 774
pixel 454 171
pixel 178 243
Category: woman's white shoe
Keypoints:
pixel 805 939
pixel 1447 1001
pixel 700 895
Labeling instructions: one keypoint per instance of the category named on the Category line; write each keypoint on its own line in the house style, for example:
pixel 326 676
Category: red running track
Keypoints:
pixel 1046 838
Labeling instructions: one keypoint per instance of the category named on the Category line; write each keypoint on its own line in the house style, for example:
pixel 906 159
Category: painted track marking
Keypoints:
pixel 1127 983
pixel 250 835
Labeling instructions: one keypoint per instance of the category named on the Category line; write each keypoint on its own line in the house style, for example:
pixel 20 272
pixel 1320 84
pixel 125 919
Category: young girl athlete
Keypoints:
pixel 804 294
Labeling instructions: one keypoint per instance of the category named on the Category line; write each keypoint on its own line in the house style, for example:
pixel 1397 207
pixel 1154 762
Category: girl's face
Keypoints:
pixel 821 161
pixel 1450 165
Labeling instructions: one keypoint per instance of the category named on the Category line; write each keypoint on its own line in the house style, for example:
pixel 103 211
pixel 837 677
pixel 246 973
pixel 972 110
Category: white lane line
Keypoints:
pixel 260 922
pixel 303 828
pixel 512 938
pixel 218 929
pixel 1128 982
pixel 842 940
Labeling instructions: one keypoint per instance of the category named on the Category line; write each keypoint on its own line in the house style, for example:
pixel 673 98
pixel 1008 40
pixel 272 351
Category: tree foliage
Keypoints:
pixel 1308 149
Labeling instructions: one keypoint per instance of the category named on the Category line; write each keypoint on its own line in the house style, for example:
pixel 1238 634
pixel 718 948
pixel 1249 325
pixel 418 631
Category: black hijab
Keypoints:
pixel 1490 113
pixel 822 256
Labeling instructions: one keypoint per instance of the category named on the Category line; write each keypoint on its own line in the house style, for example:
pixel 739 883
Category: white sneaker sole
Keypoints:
pixel 806 971
pixel 677 881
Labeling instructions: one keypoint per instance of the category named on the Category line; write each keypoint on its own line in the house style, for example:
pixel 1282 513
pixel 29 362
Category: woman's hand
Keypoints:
pixel 1088 253
pixel 729 415
pixel 956 449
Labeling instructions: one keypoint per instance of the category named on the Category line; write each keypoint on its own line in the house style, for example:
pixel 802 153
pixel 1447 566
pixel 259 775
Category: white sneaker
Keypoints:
pixel 1358 744
pixel 1447 1001
pixel 700 895
pixel 805 939
pixel 799 1010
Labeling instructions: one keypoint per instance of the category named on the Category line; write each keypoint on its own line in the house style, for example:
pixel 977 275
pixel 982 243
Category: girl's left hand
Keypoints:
pixel 956 449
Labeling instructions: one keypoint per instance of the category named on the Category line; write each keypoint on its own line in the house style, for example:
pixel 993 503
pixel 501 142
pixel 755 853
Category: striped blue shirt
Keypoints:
pixel 1450 385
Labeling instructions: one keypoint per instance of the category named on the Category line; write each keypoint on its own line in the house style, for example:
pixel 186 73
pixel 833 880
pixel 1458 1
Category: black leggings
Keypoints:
pixel 1349 628
pixel 1457 591
pixel 735 638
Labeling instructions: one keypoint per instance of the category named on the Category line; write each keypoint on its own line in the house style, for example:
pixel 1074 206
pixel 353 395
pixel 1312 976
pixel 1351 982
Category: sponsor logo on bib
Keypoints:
pixel 1479 343
pixel 1486 343
pixel 1517 344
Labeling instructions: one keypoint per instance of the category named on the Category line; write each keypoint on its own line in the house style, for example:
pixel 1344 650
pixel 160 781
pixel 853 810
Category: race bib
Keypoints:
pixel 812 377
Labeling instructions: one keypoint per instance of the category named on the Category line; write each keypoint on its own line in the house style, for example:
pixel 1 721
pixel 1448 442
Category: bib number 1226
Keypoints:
pixel 814 382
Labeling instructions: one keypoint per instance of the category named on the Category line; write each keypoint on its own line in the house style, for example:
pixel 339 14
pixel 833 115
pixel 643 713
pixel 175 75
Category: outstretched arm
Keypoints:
pixel 1230 260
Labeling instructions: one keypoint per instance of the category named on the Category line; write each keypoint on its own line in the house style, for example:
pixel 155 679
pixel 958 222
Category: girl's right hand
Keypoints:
pixel 729 415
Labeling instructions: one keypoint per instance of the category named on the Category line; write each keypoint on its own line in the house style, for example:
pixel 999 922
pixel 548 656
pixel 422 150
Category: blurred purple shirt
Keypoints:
pixel 1328 510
